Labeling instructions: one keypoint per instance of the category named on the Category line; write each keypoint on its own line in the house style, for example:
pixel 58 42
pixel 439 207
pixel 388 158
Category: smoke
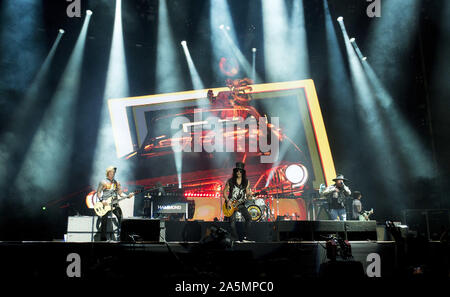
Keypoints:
pixel 391 37
pixel 46 163
pixel 117 86
pixel 168 75
pixel 20 47
pixel 285 46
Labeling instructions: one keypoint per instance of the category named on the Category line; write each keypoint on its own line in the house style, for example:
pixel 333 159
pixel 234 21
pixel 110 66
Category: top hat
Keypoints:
pixel 339 177
pixel 240 165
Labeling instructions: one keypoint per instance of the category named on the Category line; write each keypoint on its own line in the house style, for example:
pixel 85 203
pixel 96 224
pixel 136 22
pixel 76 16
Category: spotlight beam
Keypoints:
pixel 168 72
pixel 284 39
pixel 220 19
pixel 11 143
pixel 340 87
pixel 369 112
pixel 195 77
pixel 117 86
pixel 410 144
pixel 388 47
pixel 46 164
pixel 239 56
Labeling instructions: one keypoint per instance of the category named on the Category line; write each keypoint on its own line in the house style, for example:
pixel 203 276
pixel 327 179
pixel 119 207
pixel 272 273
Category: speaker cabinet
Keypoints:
pixel 138 229
pixel 87 228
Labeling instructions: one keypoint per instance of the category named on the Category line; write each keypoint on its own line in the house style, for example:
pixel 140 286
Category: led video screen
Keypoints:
pixel 191 141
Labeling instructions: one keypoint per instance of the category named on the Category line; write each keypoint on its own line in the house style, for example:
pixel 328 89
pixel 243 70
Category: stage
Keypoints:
pixel 282 260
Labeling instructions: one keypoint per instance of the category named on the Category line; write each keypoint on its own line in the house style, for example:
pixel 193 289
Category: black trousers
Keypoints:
pixel 247 217
pixel 104 221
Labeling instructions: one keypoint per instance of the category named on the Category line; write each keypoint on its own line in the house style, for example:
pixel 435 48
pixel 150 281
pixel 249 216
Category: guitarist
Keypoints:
pixel 238 188
pixel 106 189
pixel 357 208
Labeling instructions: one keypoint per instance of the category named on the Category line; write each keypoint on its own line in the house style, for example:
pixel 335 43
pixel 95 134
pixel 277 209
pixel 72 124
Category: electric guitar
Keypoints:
pixel 229 211
pixel 101 209
pixel 365 215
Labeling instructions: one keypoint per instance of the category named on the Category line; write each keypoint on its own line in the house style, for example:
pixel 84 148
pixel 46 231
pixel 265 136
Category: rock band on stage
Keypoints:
pixel 237 196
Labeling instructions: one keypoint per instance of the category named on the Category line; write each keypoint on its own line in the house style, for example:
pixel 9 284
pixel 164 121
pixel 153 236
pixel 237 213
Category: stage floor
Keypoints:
pixel 193 260
pixel 281 259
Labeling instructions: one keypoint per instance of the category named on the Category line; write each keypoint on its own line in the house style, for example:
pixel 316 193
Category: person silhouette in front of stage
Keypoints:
pixel 236 188
pixel 337 195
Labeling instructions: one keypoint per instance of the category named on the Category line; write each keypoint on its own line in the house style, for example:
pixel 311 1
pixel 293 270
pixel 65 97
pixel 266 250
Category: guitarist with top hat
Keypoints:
pixel 110 188
pixel 236 192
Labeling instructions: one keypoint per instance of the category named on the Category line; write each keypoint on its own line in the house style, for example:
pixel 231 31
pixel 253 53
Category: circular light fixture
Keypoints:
pixel 364 58
pixel 183 42
pixel 352 39
pixel 340 19
pixel 254 49
pixel 89 12
pixel 61 31
pixel 296 174
pixel 221 26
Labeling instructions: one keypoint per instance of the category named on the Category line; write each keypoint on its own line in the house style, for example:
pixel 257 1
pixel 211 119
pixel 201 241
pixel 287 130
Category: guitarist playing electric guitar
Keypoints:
pixel 110 188
pixel 357 209
pixel 236 191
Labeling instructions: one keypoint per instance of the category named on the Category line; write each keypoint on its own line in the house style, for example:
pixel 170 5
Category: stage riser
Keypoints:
pixel 137 229
pixel 276 231
pixel 158 262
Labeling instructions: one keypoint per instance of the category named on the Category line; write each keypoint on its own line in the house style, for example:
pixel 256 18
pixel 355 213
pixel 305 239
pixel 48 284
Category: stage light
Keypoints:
pixel 195 77
pixel 89 12
pixel 254 64
pixel 352 39
pixel 46 163
pixel 295 174
pixel 61 31
pixel 116 86
pixel 228 28
pixel 221 26
pixel 364 58
pixel 339 85
pixel 12 142
pixel 374 124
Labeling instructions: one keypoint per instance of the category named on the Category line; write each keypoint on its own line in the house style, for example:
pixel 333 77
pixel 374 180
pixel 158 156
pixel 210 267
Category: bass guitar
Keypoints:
pixel 101 209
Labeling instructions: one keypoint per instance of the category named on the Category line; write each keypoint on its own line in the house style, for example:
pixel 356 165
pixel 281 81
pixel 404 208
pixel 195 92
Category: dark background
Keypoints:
pixel 353 153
